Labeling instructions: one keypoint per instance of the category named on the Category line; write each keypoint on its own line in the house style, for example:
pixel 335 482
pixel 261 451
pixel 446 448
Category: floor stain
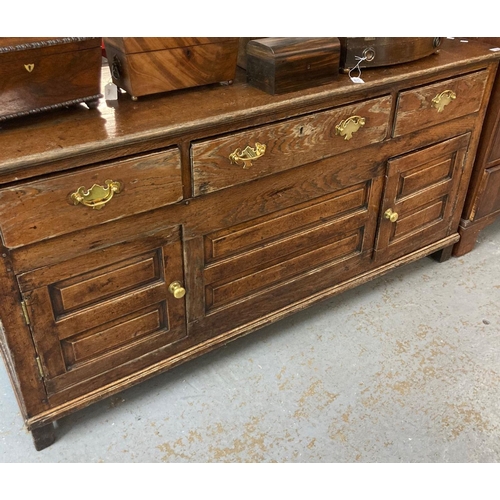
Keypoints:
pixel 322 398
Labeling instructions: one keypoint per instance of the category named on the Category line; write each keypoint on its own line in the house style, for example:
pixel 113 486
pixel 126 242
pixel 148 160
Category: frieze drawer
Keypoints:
pixel 244 156
pixel 42 209
pixel 440 102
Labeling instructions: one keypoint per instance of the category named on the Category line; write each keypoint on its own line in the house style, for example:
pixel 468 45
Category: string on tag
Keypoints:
pixel 357 79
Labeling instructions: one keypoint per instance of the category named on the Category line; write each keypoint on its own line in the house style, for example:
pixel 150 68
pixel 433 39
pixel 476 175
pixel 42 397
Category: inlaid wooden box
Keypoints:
pixel 144 66
pixel 280 65
pixel 39 74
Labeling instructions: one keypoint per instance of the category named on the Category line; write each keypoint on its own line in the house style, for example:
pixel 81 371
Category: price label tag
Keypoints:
pixel 110 92
pixel 357 79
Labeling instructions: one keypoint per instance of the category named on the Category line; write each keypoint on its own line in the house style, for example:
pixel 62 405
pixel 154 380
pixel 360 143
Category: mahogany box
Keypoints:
pixel 144 66
pixel 373 52
pixel 39 74
pixel 280 65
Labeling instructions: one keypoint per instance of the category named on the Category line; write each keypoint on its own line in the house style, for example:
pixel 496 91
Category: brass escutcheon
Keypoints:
pixel 177 290
pixel 246 156
pixel 390 215
pixel 348 126
pixel 443 99
pixel 29 67
pixel 97 196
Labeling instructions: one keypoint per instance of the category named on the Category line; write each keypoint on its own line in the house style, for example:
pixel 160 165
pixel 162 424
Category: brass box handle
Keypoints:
pixel 245 157
pixel 443 99
pixel 348 126
pixel 97 196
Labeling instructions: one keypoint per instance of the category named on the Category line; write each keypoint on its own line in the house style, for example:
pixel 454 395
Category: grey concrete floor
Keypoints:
pixel 403 369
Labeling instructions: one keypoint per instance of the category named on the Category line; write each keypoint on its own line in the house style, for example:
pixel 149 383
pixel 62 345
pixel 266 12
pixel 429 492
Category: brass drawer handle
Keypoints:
pixel 247 155
pixel 348 126
pixel 97 196
pixel 390 215
pixel 443 99
pixel 177 290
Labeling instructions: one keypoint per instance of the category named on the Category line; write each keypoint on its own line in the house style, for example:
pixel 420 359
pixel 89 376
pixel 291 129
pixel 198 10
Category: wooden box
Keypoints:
pixel 39 74
pixel 144 66
pixel 373 52
pixel 280 65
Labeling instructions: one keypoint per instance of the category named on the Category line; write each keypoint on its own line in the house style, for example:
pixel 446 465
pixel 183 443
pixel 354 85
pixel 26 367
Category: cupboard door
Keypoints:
pixel 420 196
pixel 107 314
pixel 272 264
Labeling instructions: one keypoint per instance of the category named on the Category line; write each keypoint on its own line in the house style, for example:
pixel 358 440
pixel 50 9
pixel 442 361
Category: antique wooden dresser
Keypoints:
pixel 482 203
pixel 140 235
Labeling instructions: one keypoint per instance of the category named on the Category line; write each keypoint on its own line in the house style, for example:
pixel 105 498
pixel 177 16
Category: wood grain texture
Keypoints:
pixel 180 63
pixel 47 209
pixel 280 65
pixel 416 110
pixel 288 144
pixel 482 204
pixel 250 247
pixel 422 189
pixel 44 77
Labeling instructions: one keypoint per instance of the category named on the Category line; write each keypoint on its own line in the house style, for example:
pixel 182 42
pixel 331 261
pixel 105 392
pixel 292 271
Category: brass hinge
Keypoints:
pixel 25 312
pixel 40 369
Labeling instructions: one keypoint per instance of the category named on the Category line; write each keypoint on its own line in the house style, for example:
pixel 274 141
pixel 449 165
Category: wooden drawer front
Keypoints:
pixel 102 315
pixel 271 255
pixel 288 144
pixel 416 110
pixel 421 188
pixel 37 210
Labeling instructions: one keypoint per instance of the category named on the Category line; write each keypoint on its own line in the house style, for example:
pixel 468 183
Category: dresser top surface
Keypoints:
pixel 58 135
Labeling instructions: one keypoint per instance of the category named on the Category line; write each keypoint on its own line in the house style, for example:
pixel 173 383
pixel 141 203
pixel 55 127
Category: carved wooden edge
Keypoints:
pixel 44 43
pixel 88 100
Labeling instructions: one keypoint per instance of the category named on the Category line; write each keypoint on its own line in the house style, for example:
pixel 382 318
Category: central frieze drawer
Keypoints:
pixel 225 161
pixel 36 210
pixel 431 105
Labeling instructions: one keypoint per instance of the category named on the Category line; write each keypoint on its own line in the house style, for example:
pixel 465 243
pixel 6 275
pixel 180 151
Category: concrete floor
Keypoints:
pixel 403 369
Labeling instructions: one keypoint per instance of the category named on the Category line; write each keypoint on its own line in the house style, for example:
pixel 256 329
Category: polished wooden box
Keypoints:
pixel 144 66
pixel 373 52
pixel 39 74
pixel 280 65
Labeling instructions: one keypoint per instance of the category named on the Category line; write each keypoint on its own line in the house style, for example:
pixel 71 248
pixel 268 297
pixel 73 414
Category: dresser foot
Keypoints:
pixel 468 238
pixel 443 255
pixel 43 437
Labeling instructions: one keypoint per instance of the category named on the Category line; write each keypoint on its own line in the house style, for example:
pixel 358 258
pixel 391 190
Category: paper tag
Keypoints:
pixel 357 79
pixel 110 92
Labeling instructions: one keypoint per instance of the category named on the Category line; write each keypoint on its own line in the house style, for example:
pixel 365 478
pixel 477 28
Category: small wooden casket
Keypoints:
pixel 39 74
pixel 371 52
pixel 280 65
pixel 144 66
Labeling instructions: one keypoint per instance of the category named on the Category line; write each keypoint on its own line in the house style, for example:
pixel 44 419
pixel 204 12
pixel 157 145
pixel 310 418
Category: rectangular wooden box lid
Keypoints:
pixel 285 47
pixel 132 45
